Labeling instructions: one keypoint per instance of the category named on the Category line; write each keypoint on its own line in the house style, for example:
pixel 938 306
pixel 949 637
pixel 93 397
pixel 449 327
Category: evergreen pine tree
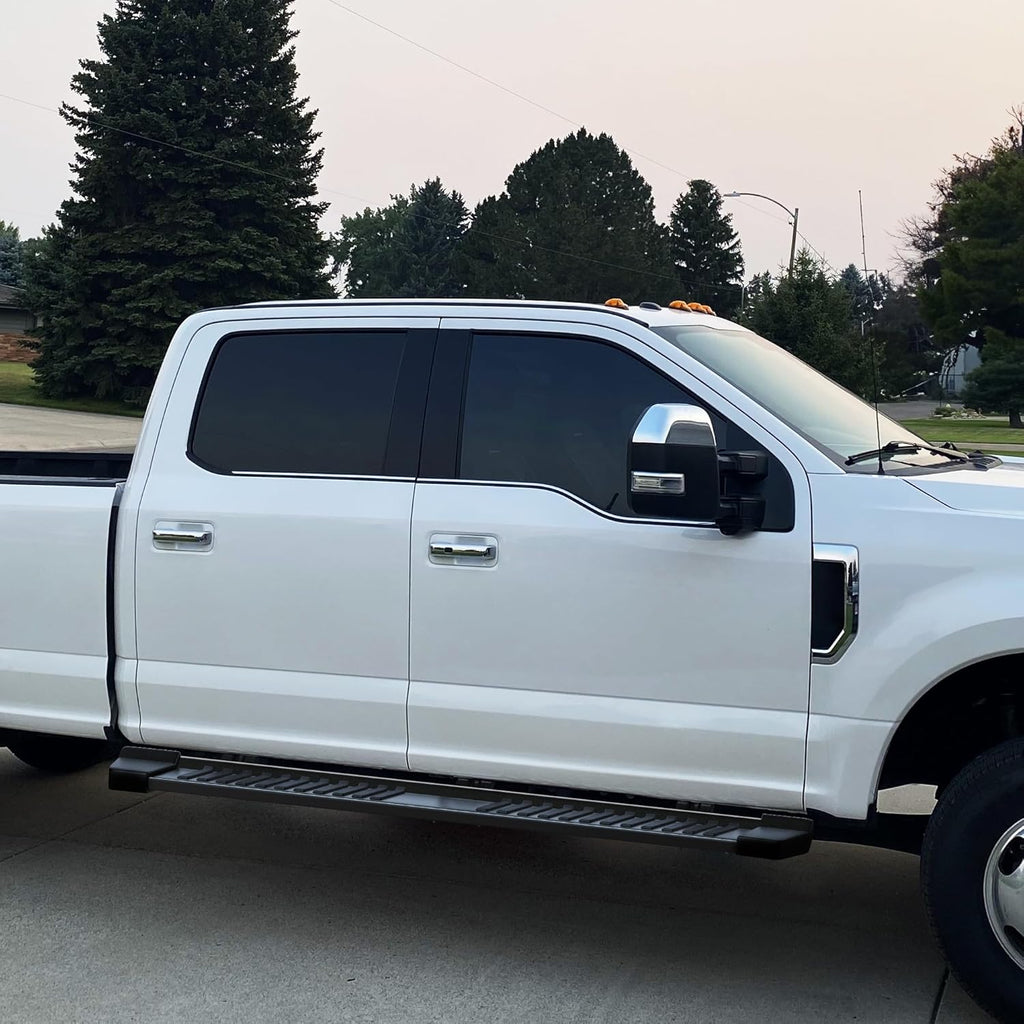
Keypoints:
pixel 705 248
pixel 409 249
pixel 193 187
pixel 812 317
pixel 429 239
pixel 11 255
pixel 576 221
pixel 863 294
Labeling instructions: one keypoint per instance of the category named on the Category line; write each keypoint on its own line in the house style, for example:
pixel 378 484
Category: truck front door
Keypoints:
pixel 559 639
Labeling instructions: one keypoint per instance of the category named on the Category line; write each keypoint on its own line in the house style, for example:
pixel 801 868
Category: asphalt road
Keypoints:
pixel 163 908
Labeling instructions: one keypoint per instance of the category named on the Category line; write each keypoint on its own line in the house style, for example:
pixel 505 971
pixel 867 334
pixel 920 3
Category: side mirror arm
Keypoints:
pixel 741 513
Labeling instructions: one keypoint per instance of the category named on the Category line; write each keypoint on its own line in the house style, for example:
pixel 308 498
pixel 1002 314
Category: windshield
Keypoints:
pixel 834 419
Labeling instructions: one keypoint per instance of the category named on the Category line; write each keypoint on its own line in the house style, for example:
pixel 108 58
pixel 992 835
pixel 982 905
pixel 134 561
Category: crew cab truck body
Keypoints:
pixel 617 571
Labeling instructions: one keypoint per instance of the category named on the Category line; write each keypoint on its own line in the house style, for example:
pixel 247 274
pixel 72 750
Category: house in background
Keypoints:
pixel 15 322
pixel 955 367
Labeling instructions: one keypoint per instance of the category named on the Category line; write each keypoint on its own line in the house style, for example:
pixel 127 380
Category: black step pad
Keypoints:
pixel 140 769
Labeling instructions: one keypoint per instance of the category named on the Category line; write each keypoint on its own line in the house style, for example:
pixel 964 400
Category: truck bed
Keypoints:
pixel 67 467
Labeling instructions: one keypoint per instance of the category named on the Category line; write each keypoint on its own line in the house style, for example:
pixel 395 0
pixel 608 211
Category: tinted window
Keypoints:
pixel 558 411
pixel 305 402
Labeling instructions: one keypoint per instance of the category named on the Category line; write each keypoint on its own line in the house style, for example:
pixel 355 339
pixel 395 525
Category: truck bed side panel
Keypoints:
pixel 53 640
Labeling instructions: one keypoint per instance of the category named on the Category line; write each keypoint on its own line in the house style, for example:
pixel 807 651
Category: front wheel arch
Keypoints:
pixel 960 717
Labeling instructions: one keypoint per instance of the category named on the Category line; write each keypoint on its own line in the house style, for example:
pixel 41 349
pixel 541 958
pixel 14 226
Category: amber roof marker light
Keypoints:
pixel 617 303
pixel 691 307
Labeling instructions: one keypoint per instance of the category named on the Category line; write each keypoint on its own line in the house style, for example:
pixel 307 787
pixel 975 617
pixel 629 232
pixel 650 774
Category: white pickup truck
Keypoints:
pixel 615 571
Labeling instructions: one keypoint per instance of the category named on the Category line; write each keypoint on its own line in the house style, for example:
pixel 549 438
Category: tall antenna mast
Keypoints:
pixel 874 358
pixel 863 242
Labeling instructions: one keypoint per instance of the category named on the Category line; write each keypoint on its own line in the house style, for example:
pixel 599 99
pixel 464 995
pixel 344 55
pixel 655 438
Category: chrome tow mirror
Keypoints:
pixel 673 464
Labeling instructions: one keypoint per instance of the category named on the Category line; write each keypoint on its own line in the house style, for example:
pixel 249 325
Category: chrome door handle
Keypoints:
pixel 170 535
pixel 182 536
pixel 439 549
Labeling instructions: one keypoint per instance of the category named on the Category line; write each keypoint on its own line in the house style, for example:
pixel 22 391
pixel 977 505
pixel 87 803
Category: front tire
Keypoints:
pixel 972 875
pixel 59 754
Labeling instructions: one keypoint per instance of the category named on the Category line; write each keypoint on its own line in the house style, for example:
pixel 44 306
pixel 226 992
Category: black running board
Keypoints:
pixel 145 769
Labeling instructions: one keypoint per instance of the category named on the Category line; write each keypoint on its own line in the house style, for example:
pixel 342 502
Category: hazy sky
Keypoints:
pixel 803 100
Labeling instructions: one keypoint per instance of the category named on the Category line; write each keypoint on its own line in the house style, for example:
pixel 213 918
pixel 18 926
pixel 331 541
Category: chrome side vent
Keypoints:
pixel 835 600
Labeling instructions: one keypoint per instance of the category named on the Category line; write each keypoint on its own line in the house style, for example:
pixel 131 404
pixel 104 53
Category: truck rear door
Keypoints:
pixel 272 550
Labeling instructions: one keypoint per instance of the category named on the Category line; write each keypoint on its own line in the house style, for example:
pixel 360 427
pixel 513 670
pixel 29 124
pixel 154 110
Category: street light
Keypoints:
pixel 793 213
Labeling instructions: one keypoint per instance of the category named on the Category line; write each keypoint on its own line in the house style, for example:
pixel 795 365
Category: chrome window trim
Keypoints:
pixel 707 524
pixel 849 557
pixel 313 476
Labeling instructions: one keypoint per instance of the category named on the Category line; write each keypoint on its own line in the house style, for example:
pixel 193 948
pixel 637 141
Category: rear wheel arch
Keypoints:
pixel 57 754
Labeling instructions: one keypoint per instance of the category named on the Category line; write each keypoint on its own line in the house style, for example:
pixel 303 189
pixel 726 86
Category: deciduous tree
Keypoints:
pixel 970 267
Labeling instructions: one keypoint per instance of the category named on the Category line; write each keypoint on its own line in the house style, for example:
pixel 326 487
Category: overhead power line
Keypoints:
pixel 96 122
pixel 526 99
pixel 821 258
pixel 526 243
pixel 490 81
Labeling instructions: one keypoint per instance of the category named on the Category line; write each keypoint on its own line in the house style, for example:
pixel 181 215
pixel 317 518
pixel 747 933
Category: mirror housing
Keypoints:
pixel 673 465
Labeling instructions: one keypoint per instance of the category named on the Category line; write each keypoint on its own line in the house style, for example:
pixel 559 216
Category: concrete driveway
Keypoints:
pixel 26 428
pixel 119 908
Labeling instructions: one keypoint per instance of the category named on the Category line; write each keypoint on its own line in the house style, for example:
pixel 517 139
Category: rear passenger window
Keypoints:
pixel 301 402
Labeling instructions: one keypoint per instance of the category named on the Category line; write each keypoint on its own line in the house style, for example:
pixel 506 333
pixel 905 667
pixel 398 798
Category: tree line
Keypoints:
pixel 194 185
pixel 575 220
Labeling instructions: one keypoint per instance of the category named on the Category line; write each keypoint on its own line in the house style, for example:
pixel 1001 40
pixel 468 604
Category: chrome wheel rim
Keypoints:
pixel 1004 892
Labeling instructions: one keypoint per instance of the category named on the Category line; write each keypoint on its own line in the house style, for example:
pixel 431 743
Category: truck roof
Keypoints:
pixel 650 315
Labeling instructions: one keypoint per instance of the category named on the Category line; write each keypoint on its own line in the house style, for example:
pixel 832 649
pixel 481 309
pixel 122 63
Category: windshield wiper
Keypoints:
pixel 905 448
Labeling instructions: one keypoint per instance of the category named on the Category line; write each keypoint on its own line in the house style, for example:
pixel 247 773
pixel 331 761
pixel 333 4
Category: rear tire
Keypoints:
pixel 59 754
pixel 972 875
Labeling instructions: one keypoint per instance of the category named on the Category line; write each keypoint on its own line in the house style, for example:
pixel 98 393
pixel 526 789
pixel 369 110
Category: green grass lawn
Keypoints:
pixel 983 432
pixel 18 388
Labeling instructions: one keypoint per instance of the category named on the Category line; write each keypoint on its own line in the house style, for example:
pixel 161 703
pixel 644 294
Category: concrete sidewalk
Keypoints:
pixel 27 428
pixel 162 908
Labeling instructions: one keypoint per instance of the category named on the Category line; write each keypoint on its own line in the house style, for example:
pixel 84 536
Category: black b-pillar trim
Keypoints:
pixel 439 457
pixel 112 730
pixel 406 428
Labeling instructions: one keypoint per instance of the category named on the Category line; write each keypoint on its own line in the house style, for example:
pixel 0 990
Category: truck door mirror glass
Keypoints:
pixel 673 464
